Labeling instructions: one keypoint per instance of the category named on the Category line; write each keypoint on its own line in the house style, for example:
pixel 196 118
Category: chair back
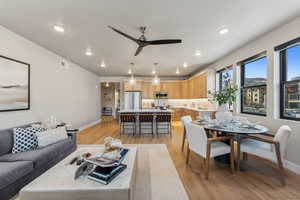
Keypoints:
pixel 146 117
pixel 163 117
pixel 127 117
pixel 186 120
pixel 282 136
pixel 197 138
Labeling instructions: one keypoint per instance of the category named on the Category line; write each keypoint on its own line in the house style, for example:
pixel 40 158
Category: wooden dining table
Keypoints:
pixel 235 129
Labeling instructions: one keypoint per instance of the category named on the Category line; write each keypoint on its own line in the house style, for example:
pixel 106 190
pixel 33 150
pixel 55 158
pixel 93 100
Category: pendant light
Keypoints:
pixel 155 80
pixel 132 80
pixel 130 68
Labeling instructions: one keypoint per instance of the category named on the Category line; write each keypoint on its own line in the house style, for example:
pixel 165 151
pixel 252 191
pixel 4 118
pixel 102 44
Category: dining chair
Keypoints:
pixel 272 148
pixel 206 147
pixel 185 120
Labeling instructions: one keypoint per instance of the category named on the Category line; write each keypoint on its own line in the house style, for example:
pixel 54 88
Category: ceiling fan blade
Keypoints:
pixel 124 34
pixel 139 49
pixel 158 42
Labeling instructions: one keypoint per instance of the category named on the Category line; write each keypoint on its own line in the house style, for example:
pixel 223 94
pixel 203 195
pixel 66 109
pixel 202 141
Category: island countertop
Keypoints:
pixel 145 110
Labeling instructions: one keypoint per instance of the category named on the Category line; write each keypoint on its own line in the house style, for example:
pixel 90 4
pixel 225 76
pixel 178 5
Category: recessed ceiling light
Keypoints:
pixel 103 65
pixel 198 53
pixel 88 52
pixel 185 65
pixel 223 31
pixel 177 71
pixel 59 28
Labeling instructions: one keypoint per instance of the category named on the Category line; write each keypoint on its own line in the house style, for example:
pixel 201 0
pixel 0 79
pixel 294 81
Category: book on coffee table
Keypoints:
pixel 105 175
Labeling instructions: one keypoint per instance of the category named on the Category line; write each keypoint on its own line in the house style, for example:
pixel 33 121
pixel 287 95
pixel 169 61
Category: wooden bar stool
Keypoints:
pixel 127 120
pixel 146 122
pixel 163 122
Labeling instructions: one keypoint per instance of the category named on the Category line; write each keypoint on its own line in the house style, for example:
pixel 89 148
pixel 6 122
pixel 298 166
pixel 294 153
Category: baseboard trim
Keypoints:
pixel 89 125
pixel 291 166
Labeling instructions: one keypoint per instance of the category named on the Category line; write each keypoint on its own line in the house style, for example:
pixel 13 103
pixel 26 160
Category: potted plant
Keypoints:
pixel 225 98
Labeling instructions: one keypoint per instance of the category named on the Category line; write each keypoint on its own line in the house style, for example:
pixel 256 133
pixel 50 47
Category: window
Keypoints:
pixel 225 78
pixel 290 80
pixel 254 85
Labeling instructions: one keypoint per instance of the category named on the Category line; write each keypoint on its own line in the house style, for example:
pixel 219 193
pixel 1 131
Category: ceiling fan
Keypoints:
pixel 143 42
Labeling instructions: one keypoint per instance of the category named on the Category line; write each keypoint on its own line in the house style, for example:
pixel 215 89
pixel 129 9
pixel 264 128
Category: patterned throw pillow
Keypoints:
pixel 25 139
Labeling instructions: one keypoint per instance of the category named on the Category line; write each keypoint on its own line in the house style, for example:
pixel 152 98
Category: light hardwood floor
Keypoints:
pixel 257 180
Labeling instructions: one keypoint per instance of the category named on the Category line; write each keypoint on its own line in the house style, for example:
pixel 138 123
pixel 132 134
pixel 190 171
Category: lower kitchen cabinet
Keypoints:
pixel 180 112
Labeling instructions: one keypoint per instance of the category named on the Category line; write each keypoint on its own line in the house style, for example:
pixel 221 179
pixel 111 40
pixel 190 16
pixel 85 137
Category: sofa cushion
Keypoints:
pixel 40 156
pixel 10 172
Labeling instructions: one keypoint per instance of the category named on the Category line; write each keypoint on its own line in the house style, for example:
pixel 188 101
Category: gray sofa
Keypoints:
pixel 17 170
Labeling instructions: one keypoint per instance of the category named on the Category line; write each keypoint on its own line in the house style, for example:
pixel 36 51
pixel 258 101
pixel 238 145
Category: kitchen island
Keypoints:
pixel 145 121
pixel 145 111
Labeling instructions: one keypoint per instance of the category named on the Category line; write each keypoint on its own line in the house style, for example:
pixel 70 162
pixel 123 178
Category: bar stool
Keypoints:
pixel 146 122
pixel 163 122
pixel 127 120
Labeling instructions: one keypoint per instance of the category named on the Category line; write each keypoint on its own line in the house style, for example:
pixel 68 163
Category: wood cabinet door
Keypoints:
pixel 173 89
pixel 127 86
pixel 203 83
pixel 184 90
pixel 197 87
pixel 146 89
pixel 191 88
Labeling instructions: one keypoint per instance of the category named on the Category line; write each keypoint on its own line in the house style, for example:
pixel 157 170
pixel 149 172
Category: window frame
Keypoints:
pixel 283 74
pixel 242 76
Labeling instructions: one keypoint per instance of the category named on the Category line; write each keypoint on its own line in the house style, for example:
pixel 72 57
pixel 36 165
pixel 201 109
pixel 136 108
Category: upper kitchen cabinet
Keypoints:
pixel 173 88
pixel 185 94
pixel 203 83
pixel 133 87
pixel 193 88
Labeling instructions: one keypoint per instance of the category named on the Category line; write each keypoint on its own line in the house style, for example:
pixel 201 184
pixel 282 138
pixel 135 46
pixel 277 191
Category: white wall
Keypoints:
pixel 68 94
pixel 267 42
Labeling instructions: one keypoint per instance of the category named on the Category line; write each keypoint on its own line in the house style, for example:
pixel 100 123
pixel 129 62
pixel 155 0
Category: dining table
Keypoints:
pixel 232 128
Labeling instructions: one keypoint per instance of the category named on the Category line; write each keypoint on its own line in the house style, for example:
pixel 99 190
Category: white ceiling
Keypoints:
pixel 196 22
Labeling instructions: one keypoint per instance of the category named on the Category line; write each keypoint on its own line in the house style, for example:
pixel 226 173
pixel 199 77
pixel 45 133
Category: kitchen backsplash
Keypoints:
pixel 191 103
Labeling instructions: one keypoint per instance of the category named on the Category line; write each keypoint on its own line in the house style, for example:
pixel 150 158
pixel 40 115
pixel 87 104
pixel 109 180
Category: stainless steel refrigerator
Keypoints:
pixel 133 100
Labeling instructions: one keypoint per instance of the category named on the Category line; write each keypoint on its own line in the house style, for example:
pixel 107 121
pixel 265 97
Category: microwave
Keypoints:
pixel 160 95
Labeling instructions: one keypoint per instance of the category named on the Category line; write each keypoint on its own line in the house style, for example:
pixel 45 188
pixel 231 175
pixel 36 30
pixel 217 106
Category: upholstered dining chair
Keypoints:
pixel 185 120
pixel 206 147
pixel 272 148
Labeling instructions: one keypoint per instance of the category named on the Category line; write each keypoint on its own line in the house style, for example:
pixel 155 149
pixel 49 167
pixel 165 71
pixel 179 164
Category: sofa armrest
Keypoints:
pixel 72 133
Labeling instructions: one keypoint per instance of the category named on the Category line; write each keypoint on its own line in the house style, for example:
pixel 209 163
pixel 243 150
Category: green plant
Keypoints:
pixel 228 95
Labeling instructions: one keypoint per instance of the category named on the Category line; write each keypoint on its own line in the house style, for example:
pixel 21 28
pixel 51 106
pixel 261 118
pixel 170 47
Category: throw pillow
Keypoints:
pixel 25 139
pixel 51 136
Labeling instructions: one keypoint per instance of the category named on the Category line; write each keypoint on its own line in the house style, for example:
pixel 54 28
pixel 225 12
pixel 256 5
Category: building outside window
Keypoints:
pixel 254 85
pixel 290 79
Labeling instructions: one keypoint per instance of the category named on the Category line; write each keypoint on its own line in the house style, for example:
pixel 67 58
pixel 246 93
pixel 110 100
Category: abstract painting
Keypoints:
pixel 14 85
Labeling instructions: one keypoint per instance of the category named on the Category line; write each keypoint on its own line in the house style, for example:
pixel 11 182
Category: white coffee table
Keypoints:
pixel 58 182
